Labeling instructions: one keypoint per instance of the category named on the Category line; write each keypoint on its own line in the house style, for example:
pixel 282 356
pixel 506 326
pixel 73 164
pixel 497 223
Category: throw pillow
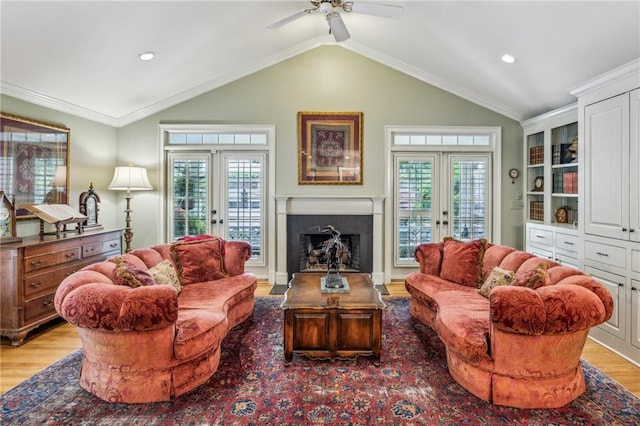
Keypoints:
pixel 165 274
pixel 533 278
pixel 200 260
pixel 497 277
pixel 129 275
pixel 462 261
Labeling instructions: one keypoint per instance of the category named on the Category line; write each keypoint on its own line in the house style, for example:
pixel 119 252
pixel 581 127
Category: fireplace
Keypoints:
pixel 306 242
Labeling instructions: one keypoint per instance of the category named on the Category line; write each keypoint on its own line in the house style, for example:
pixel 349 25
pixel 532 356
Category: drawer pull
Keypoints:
pixel 624 229
pixel 47 303
pixel 36 285
pixel 634 289
pixel 620 285
pixel 69 273
pixel 37 263
pixel 540 236
pixel 70 255
pixel 569 243
pixel 113 245
pixel 599 253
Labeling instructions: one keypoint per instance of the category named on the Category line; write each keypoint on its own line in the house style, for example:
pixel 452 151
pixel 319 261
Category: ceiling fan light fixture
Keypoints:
pixel 326 7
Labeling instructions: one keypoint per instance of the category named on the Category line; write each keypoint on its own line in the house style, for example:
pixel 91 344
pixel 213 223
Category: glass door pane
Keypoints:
pixel 470 195
pixel 416 202
pixel 245 200
pixel 189 183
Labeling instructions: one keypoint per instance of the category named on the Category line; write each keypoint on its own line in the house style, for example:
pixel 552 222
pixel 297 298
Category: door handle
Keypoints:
pixel 445 222
pixel 214 221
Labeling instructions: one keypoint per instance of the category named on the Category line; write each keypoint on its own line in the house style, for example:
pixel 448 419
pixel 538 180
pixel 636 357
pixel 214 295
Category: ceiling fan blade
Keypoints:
pixel 338 29
pixel 284 21
pixel 377 9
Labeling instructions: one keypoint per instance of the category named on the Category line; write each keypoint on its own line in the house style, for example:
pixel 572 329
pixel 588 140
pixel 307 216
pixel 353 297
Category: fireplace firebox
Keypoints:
pixel 306 242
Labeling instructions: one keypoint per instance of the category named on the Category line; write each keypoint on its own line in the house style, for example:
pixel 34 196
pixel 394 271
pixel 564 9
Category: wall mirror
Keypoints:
pixel 34 162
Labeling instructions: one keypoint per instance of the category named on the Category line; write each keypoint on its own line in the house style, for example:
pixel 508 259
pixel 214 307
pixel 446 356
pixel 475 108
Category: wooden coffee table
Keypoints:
pixel 332 325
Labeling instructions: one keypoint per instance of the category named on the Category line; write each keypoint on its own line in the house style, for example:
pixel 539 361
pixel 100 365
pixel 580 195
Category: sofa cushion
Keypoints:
pixel 462 261
pixel 200 260
pixel 128 275
pixel 463 323
pixel 165 274
pixel 429 256
pixel 497 277
pixel 533 278
pixel 198 330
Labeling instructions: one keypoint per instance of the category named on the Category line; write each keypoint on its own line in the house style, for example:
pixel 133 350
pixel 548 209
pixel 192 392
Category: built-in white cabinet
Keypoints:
pixel 551 159
pixel 612 186
pixel 609 199
pixel 555 243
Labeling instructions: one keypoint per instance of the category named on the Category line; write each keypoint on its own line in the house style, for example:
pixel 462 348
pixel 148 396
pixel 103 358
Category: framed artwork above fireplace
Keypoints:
pixel 330 148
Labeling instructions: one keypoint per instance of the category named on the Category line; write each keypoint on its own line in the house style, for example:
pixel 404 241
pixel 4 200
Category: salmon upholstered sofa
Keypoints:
pixel 151 321
pixel 520 345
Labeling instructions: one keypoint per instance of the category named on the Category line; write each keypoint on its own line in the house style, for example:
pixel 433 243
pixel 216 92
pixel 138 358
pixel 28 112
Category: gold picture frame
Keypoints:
pixel 36 170
pixel 330 148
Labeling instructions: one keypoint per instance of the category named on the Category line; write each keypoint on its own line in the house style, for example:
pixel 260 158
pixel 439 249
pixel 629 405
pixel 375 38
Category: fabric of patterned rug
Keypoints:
pixel 252 386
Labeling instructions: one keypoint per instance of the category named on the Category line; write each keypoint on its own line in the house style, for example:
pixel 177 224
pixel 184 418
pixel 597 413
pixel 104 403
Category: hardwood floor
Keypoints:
pixel 49 343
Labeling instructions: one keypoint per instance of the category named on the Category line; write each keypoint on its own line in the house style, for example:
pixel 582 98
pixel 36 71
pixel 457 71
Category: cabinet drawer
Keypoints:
pixel 635 260
pixel 604 253
pixel 44 282
pixel 541 237
pixel 40 307
pixel 565 260
pixel 42 261
pixel 566 242
pixel 100 247
pixel 547 254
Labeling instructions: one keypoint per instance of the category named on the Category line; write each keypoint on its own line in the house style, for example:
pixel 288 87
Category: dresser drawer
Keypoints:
pixel 47 260
pixel 605 253
pixel 39 307
pixel 567 243
pixel 540 236
pixel 44 282
pixel 100 247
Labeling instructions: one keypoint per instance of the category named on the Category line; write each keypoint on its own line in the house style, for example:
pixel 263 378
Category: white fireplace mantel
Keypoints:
pixel 338 205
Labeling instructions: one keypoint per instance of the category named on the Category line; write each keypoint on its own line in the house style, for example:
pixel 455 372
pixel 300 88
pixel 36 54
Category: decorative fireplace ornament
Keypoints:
pixel 333 282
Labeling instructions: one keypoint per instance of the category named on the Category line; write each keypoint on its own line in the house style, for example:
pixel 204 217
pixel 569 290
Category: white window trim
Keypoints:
pixel 494 147
pixel 270 130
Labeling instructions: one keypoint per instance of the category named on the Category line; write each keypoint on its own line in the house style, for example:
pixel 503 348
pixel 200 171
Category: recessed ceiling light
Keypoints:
pixel 146 56
pixel 506 58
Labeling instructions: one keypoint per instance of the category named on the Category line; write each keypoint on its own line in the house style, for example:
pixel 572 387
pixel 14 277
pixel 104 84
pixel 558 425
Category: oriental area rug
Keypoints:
pixel 252 386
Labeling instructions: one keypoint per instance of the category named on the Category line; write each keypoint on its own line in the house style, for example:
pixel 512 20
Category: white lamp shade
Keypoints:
pixel 60 177
pixel 129 178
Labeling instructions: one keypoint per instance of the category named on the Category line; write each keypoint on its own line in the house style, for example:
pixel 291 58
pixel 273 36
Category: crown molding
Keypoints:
pixel 619 75
pixel 56 104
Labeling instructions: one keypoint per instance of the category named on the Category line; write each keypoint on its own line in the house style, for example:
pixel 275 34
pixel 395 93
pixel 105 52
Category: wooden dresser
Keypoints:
pixel 31 270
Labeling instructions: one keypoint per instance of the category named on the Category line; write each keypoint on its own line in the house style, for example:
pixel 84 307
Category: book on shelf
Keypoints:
pixel 54 213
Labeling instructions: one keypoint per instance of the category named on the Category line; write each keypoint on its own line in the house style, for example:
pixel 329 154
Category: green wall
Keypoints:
pixel 92 158
pixel 327 78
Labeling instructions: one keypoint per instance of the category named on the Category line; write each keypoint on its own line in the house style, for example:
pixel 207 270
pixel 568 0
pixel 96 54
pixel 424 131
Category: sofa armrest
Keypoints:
pixel 236 254
pixel 429 256
pixel 110 307
pixel 553 309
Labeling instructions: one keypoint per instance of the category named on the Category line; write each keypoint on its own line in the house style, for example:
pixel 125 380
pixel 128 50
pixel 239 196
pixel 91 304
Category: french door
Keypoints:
pixel 219 193
pixel 440 194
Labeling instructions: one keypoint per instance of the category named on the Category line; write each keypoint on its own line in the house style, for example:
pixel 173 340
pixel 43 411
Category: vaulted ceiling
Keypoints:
pixel 81 56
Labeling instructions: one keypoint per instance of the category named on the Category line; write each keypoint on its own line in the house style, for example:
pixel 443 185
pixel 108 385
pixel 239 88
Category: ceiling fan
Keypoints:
pixel 330 10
